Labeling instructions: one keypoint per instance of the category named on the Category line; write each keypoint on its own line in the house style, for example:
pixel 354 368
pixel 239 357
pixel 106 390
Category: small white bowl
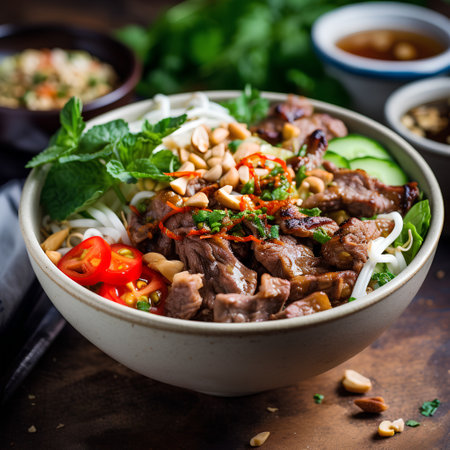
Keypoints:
pixel 370 81
pixel 436 154
pixel 236 358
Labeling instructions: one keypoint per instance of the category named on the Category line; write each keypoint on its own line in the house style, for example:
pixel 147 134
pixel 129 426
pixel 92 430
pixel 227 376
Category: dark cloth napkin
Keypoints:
pixel 16 274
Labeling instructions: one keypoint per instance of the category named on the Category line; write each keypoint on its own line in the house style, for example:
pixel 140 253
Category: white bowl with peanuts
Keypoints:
pixel 232 359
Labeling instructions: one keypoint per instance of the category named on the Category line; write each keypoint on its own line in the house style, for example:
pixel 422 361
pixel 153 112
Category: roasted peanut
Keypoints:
pixel 54 256
pixel 55 240
pixel 326 177
pixel 259 439
pixel 188 166
pixel 218 135
pixel 197 161
pixel 230 178
pixel 214 162
pixel 388 428
pixel 214 173
pixel 218 151
pixel 167 268
pixel 398 425
pixel 200 139
pixel 228 161
pixel 244 174
pixel 183 154
pixel 371 404
pixel 224 197
pixel 238 130
pixel 355 382
pixel 290 131
pixel 246 149
pixel 179 185
pixel 199 200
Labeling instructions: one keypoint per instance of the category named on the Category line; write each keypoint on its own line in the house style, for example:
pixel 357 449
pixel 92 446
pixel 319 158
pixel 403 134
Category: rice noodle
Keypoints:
pixel 375 253
pixel 142 195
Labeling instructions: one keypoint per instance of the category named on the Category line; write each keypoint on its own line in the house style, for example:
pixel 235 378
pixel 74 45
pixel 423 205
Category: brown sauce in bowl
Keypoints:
pixel 391 45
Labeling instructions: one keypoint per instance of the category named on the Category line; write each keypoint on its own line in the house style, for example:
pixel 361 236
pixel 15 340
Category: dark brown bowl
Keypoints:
pixel 28 131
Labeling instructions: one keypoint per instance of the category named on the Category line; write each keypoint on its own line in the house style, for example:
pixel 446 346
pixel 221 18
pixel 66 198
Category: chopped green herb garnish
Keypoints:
pixel 233 145
pixel 314 212
pixel 318 398
pixel 412 423
pixel 300 176
pixel 143 306
pixel 429 408
pixel 277 170
pixel 321 236
pixel 274 232
pixel 352 299
pixel 383 277
pixel 248 187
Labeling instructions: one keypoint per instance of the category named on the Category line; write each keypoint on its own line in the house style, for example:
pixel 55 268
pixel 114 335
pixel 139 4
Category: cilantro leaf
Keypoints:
pixel 321 236
pixel 318 398
pixel 412 423
pixel 382 278
pixel 249 107
pixel 429 408
pixel 274 232
pixel 313 212
pixel 72 186
pixel 248 187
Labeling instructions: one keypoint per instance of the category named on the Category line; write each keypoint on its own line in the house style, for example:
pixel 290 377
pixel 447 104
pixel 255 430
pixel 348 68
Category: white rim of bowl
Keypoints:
pixel 380 15
pixel 399 102
pixel 30 200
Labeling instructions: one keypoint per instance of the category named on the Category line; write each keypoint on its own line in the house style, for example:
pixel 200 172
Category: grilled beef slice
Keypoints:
pixel 286 259
pixel 316 146
pixel 184 300
pixel 270 298
pixel 348 248
pixel 317 301
pixel 362 195
pixel 293 222
pixel 337 285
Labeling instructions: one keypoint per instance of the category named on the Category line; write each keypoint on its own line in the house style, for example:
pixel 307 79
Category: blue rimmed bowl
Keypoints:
pixel 370 81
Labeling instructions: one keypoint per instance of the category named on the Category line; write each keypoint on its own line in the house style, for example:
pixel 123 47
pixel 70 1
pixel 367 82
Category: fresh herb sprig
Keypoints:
pixel 84 165
pixel 429 408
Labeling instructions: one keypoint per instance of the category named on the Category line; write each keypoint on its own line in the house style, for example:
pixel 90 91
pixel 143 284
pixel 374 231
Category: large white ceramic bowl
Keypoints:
pixel 436 154
pixel 236 359
pixel 370 81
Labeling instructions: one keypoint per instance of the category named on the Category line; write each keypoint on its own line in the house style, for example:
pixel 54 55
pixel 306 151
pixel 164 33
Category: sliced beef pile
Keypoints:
pixel 293 222
pixel 299 112
pixel 315 302
pixel 184 299
pixel 272 294
pixel 362 195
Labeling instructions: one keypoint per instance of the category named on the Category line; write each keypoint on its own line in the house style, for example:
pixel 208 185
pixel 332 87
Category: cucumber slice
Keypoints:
pixel 279 152
pixel 386 171
pixel 356 146
pixel 337 160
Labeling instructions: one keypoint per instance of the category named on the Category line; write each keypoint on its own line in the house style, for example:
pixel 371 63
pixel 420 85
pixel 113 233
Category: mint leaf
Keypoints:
pixel 72 186
pixel 412 423
pixel 164 127
pixel 99 136
pixel 165 161
pixel 141 168
pixel 71 121
pixel 50 154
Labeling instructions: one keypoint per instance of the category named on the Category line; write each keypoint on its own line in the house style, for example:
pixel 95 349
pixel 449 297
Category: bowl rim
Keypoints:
pixel 399 102
pixel 30 200
pixel 325 46
pixel 126 85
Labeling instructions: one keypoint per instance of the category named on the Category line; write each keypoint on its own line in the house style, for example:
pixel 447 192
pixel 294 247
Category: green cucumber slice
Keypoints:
pixel 387 172
pixel 337 160
pixel 356 146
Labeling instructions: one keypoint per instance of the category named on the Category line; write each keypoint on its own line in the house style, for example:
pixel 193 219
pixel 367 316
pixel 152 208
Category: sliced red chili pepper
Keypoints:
pixel 141 289
pixel 229 237
pixel 175 210
pixel 183 174
pixel 264 157
pixel 125 265
pixel 87 261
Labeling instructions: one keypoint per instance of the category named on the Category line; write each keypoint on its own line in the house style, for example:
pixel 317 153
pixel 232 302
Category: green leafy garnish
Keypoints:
pixel 86 165
pixel 416 221
pixel 381 278
pixel 300 176
pixel 233 145
pixel 412 423
pixel 318 398
pixel 274 232
pixel 143 306
pixel 248 187
pixel 321 236
pixel 313 212
pixel 429 408
pixel 352 299
pixel 249 107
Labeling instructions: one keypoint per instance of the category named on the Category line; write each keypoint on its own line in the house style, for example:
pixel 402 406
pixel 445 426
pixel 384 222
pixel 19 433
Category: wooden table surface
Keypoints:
pixel 79 398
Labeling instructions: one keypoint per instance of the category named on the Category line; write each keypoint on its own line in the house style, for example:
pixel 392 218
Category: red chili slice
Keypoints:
pixel 149 281
pixel 87 261
pixel 125 265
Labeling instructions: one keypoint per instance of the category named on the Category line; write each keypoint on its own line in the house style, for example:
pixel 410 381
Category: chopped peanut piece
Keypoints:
pixel 355 382
pixel 259 439
pixel 198 161
pixel 54 256
pixel 371 404
pixel 239 130
pixel 218 151
pixel 200 139
pixel 290 131
pixel 179 185
pixel 184 155
pixel 167 268
pixel 218 135
pixel 54 241
pixel 198 200
pixel 188 166
pixel 272 409
pixel 213 174
pixel 230 178
pixel 214 161
pixel 224 197
pixel 398 425
pixel 228 161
